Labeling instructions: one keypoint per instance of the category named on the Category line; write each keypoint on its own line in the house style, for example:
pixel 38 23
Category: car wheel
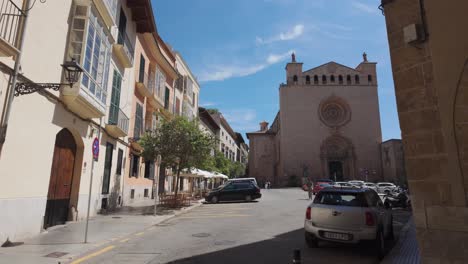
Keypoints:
pixel 391 234
pixel 248 198
pixel 380 244
pixel 311 241
pixel 214 199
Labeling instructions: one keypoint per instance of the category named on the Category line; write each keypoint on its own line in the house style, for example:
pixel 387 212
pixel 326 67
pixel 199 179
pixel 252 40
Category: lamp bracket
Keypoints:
pixel 28 88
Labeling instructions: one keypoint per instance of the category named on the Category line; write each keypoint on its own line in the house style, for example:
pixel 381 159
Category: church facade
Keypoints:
pixel 328 126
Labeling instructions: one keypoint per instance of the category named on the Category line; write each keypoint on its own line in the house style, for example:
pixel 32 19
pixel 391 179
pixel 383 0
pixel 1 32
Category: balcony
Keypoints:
pixel 81 101
pixel 145 85
pixel 123 49
pixel 10 18
pixel 118 123
pixel 108 10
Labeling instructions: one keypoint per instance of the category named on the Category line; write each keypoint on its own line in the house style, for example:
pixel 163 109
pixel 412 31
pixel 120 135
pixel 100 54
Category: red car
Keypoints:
pixel 319 186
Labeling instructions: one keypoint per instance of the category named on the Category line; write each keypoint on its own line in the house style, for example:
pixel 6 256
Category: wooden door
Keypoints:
pixel 61 176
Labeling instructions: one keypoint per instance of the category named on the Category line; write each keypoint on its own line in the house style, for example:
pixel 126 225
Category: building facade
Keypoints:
pixel 190 89
pixel 393 162
pixel 328 126
pixel 80 141
pixel 429 53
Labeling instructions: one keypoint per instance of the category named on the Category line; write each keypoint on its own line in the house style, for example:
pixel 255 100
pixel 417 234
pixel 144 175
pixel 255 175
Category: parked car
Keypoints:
pixel 356 183
pixel 370 185
pixel 385 187
pixel 342 184
pixel 325 180
pixel 253 180
pixel 319 186
pixel 234 191
pixel 348 216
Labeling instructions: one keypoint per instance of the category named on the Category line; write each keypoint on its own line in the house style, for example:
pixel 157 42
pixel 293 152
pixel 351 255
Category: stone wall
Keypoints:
pixel 431 86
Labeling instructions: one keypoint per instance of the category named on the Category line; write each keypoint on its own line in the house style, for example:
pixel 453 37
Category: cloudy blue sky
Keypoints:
pixel 238 49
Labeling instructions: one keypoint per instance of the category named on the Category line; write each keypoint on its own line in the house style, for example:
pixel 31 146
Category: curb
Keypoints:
pixel 398 245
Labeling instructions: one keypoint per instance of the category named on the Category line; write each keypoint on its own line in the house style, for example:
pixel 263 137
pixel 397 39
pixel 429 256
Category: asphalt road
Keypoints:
pixel 266 231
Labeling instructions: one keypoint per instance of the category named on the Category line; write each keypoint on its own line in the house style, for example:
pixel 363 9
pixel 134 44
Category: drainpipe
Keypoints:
pixel 13 79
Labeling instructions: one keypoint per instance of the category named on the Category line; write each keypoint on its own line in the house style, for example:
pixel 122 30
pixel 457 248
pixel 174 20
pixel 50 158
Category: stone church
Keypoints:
pixel 328 126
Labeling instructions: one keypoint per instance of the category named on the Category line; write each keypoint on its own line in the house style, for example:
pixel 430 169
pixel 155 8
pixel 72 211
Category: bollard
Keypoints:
pixel 297 256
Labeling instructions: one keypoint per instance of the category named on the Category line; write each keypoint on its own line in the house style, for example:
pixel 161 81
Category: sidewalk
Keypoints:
pixel 64 243
pixel 406 250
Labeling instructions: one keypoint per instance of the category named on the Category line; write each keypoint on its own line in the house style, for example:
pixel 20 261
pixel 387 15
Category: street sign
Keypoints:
pixel 96 148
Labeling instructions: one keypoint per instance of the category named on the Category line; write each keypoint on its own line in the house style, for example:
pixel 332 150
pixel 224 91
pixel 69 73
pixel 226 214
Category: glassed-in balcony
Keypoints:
pixel 144 84
pixel 123 49
pixel 118 123
pixel 108 11
pixel 10 19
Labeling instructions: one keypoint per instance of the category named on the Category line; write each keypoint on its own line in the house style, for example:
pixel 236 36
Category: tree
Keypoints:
pixel 180 143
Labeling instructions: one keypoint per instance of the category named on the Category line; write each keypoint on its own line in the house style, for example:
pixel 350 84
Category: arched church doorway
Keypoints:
pixel 61 178
pixel 335 170
pixel 337 156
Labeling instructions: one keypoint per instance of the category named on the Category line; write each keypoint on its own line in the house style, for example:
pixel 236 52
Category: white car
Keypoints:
pixel 370 185
pixel 356 183
pixel 348 216
pixel 343 184
pixel 385 187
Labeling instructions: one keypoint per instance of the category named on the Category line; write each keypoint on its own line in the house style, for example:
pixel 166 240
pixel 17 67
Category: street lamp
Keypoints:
pixel 72 74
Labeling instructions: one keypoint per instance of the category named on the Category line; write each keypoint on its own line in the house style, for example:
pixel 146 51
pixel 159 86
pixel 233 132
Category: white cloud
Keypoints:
pixel 294 33
pixel 370 9
pixel 223 72
pixel 242 120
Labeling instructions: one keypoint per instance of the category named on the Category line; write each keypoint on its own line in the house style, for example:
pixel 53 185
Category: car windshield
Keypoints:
pixel 341 199
pixel 324 184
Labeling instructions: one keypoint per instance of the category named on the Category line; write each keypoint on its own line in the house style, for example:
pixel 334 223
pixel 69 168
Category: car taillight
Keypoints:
pixel 370 219
pixel 308 213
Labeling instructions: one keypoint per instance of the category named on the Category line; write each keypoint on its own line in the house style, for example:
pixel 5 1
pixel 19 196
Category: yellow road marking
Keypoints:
pixel 125 240
pixel 139 234
pixel 92 255
pixel 212 216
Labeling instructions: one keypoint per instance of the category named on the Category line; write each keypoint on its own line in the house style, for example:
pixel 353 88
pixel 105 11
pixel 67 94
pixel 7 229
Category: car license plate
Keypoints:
pixel 336 236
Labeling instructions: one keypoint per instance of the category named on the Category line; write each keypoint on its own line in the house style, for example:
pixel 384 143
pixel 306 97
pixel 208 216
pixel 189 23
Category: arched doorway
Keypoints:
pixel 337 157
pixel 61 178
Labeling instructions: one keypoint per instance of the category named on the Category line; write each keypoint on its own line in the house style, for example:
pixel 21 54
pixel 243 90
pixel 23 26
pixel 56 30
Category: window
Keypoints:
pixel 307 79
pixel 166 98
pixel 332 78
pixel 160 83
pixel 356 79
pixel 149 169
pixel 97 58
pixel 316 81
pixel 134 165
pixel 369 78
pixel 107 168
pixel 132 193
pixel 115 99
pixel 295 79
pixel 119 162
pixel 222 133
pixel 146 193
pixel 324 79
pixel 138 121
pixel 341 199
pixel 340 79
pixel 348 79
pixel 141 73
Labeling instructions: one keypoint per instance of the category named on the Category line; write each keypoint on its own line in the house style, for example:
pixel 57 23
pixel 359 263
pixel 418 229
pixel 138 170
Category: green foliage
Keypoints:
pixel 219 163
pixel 178 141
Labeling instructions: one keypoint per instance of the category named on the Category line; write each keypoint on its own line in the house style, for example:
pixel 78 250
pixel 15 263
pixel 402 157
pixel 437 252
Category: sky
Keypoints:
pixel 238 49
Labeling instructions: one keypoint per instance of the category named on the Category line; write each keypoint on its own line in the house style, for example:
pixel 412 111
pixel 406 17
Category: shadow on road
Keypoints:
pixel 280 250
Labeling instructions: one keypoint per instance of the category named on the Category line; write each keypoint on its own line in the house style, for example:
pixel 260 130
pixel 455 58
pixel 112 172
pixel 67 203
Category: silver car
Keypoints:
pixel 348 216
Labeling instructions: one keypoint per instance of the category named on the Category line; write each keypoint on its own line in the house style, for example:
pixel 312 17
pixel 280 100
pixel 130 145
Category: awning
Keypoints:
pixel 220 175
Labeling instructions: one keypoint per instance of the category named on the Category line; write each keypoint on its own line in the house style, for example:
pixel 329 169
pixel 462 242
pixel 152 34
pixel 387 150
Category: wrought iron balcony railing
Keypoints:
pixel 10 20
pixel 124 40
pixel 118 118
